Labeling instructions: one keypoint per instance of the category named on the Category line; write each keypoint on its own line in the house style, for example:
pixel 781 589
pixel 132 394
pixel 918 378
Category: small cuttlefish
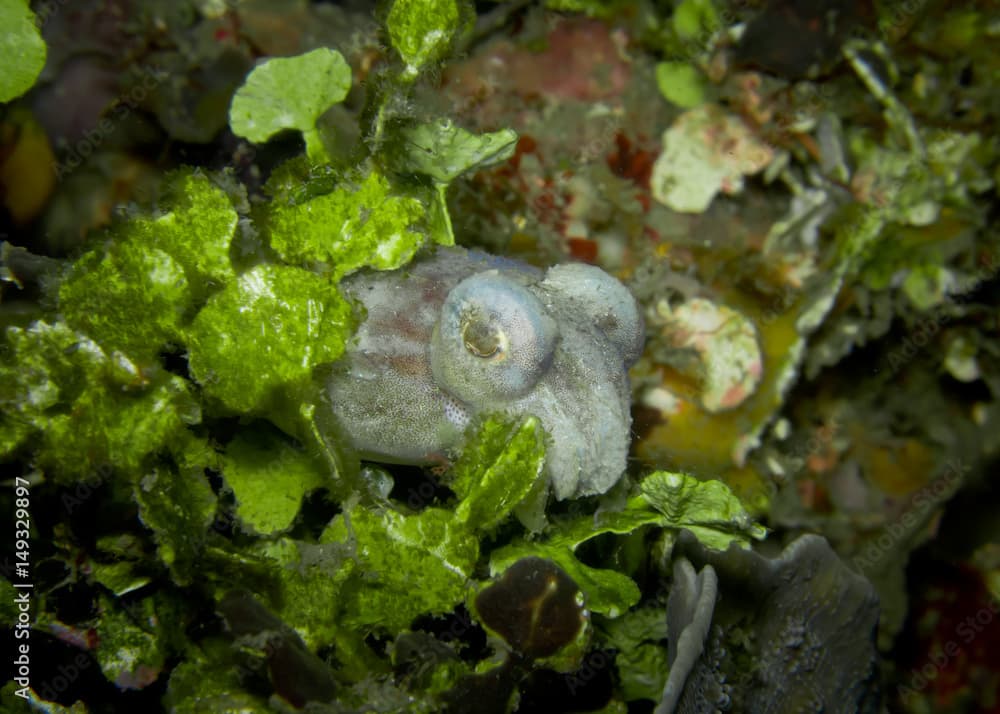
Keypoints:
pixel 460 333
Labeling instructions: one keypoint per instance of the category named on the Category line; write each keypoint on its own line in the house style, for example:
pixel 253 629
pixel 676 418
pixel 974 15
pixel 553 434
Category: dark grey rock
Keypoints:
pixel 793 634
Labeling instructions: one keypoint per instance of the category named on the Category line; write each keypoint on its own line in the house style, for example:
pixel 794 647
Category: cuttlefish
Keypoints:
pixel 459 333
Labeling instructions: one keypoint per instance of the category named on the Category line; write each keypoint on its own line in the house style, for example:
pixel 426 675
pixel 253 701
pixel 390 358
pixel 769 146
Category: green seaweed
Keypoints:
pixel 681 83
pixel 425 562
pixel 269 478
pixel 305 585
pixel 496 471
pixel 706 508
pixel 291 93
pixel 415 564
pixel 134 642
pixel 199 684
pixel 353 226
pixel 127 297
pixel 281 319
pixel 422 31
pixel 443 151
pixel 22 49
pixel 135 293
pixel 178 508
pixel 694 18
pixel 83 409
pixel 196 229
pixel 641 658
pixel 666 500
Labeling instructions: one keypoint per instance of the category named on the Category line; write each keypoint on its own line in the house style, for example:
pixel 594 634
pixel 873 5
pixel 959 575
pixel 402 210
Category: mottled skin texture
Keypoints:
pixel 461 333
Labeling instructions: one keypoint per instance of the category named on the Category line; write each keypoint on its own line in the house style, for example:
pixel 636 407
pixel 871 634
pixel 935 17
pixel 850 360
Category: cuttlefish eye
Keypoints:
pixel 493 341
pixel 483 337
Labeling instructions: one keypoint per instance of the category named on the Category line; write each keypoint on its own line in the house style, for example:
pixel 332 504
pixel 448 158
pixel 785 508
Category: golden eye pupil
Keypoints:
pixel 481 338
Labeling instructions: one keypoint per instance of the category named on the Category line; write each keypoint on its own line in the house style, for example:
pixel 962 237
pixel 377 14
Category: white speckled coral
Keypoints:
pixel 461 333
